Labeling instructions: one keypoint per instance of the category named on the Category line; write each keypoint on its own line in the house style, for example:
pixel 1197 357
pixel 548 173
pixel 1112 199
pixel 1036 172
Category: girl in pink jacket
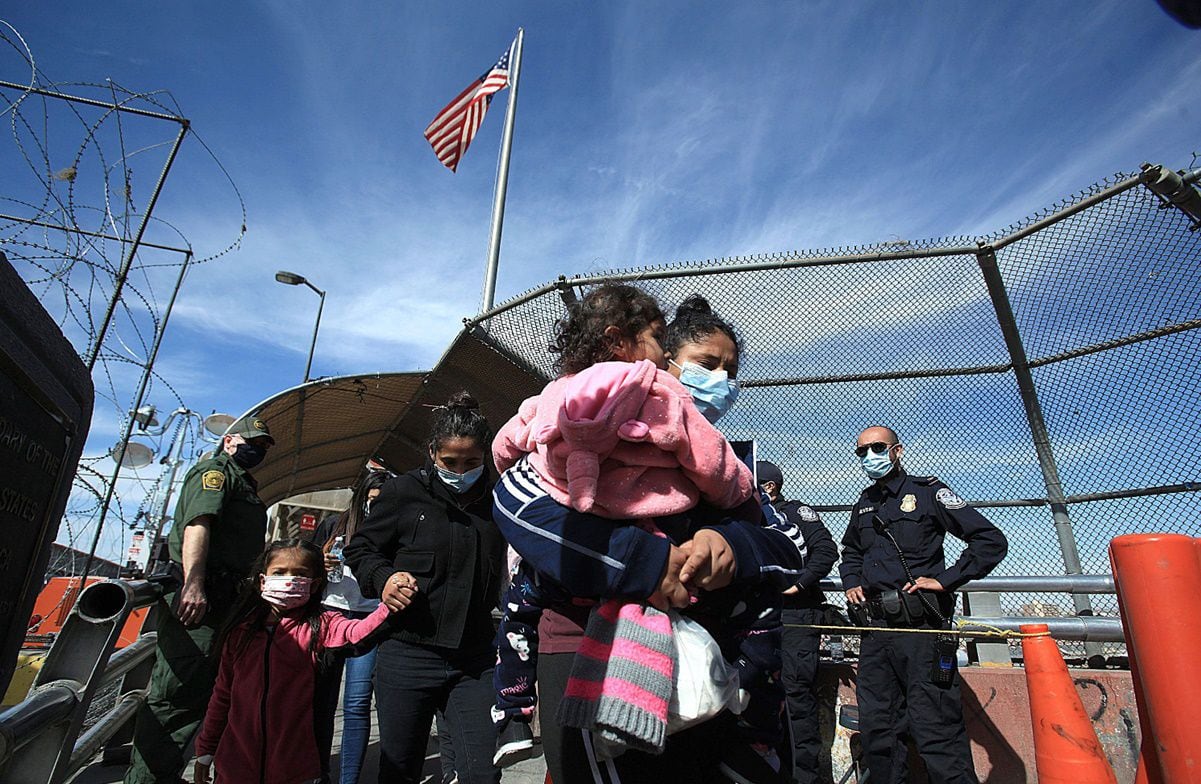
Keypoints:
pixel 259 723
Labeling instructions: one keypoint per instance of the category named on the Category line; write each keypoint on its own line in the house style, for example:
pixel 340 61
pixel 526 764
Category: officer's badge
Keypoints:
pixel 909 503
pixel 947 498
pixel 259 424
pixel 212 480
pixel 807 514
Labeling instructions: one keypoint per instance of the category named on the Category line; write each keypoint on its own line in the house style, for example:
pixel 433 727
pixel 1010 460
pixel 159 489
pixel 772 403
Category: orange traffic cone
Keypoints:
pixel 1066 749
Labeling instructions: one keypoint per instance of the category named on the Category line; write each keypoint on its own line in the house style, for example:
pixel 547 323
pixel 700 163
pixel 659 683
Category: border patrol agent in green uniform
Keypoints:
pixel 220 527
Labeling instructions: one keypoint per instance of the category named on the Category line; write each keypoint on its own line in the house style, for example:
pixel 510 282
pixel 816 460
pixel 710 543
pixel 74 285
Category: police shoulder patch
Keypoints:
pixel 807 514
pixel 946 496
pixel 212 480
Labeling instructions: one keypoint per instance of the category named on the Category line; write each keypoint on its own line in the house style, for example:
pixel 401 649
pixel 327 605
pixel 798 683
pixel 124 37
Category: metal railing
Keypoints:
pixel 983 592
pixel 42 739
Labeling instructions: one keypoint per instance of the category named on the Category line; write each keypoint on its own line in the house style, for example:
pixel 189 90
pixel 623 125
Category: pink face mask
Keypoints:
pixel 285 591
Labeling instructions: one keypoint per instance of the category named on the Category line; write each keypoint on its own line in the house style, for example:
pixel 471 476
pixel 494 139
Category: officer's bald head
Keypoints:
pixel 878 433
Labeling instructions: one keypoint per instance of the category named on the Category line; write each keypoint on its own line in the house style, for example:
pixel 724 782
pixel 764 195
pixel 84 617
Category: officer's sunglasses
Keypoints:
pixel 879 447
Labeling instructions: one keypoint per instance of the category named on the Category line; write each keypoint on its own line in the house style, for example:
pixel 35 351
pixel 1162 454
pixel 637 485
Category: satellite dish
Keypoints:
pixel 217 424
pixel 131 454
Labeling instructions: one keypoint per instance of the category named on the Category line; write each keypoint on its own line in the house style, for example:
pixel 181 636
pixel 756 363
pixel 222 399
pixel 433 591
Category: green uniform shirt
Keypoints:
pixel 221 488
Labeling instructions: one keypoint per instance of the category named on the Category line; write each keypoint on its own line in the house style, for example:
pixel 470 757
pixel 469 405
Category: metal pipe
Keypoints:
pixel 1136 492
pixel 1067 212
pixel 47 705
pixel 86 233
pixel 137 403
pixel 108 725
pixel 1087 628
pixel 859 377
pixel 25 88
pixel 753 265
pixel 1174 189
pixel 316 326
pixel 502 177
pixel 1052 583
pixel 129 657
pixel 1096 348
pixel 987 260
pixel 127 262
pixel 989 503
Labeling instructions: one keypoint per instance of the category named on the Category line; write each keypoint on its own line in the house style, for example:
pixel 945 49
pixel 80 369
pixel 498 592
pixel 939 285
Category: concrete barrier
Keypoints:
pixel 996 709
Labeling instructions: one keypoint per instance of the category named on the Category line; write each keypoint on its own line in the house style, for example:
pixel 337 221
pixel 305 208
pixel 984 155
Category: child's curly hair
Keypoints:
pixel 580 339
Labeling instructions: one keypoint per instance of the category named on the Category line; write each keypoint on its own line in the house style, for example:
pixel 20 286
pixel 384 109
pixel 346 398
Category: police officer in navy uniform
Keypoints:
pixel 220 528
pixel 803 605
pixel 892 564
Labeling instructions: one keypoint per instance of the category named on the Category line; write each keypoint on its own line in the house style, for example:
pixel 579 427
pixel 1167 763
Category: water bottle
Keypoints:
pixel 837 651
pixel 335 573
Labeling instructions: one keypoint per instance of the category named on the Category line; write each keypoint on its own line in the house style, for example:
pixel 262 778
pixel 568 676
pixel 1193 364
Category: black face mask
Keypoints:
pixel 249 455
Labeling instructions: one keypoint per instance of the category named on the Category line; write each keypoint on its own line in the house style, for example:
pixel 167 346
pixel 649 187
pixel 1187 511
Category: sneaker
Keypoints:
pixel 754 763
pixel 514 744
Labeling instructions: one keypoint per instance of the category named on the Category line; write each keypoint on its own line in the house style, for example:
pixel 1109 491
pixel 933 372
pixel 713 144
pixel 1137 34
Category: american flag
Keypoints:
pixel 452 130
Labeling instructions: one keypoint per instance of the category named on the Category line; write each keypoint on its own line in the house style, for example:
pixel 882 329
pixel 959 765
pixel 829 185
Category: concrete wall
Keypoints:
pixel 996 709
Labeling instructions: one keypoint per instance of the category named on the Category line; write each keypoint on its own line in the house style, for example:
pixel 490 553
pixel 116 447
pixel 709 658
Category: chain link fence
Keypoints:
pixel 1080 322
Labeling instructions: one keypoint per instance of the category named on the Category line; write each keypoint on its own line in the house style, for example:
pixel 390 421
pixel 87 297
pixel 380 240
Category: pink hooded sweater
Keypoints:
pixel 623 440
pixel 272 674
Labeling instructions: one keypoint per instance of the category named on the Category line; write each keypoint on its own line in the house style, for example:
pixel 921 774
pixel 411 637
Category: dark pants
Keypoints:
pixel 800 654
pixel 896 693
pixel 691 756
pixel 185 670
pixel 413 683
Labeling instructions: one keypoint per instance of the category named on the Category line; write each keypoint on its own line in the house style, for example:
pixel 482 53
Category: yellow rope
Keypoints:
pixel 960 630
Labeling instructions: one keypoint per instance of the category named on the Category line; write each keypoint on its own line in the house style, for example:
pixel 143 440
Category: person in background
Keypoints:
pixel 893 566
pixel 803 605
pixel 428 549
pixel 259 722
pixel 220 525
pixel 343 596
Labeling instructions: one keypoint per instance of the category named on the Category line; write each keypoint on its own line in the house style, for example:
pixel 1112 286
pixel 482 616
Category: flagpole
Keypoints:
pixel 502 177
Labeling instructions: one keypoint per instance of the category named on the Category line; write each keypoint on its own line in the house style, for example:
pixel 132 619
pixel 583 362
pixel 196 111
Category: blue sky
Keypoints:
pixel 647 132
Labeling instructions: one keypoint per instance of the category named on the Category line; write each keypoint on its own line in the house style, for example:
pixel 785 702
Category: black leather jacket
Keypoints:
pixel 449 543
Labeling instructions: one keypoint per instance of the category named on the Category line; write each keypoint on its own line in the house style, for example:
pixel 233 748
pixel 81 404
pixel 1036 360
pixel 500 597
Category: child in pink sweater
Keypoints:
pixel 619 442
pixel 259 722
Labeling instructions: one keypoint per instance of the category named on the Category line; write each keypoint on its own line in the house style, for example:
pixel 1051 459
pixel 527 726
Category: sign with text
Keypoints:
pixel 45 410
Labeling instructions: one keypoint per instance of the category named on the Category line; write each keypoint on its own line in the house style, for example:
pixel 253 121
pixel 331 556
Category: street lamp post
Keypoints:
pixel 292 279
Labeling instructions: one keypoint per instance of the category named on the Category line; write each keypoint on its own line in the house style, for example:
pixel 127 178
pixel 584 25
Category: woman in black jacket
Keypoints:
pixel 430 551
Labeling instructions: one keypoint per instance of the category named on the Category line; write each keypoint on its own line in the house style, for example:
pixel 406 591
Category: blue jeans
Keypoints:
pixel 356 714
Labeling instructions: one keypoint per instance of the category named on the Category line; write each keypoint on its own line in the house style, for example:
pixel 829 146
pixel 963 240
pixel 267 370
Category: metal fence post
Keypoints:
pixel 987 259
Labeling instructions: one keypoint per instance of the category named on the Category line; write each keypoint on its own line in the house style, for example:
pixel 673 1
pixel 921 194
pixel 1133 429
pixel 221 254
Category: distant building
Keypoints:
pixel 68 562
pixel 1042 610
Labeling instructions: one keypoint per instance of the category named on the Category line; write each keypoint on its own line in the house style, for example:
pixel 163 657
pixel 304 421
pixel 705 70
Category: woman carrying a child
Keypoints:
pixel 616 486
pixel 429 550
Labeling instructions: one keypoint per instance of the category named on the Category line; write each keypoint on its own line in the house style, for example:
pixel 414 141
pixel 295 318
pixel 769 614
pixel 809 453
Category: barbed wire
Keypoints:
pixel 70 206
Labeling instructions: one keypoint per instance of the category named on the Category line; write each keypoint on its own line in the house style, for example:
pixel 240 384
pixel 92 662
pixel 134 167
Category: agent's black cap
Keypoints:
pixel 769 472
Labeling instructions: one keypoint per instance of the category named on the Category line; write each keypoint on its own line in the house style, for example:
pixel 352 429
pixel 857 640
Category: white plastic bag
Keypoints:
pixel 704 682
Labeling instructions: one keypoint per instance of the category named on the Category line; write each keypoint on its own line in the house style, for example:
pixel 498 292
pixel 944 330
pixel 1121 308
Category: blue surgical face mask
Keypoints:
pixel 713 391
pixel 876 465
pixel 459 483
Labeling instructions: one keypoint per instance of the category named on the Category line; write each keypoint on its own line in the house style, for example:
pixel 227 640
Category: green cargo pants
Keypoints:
pixel 185 670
